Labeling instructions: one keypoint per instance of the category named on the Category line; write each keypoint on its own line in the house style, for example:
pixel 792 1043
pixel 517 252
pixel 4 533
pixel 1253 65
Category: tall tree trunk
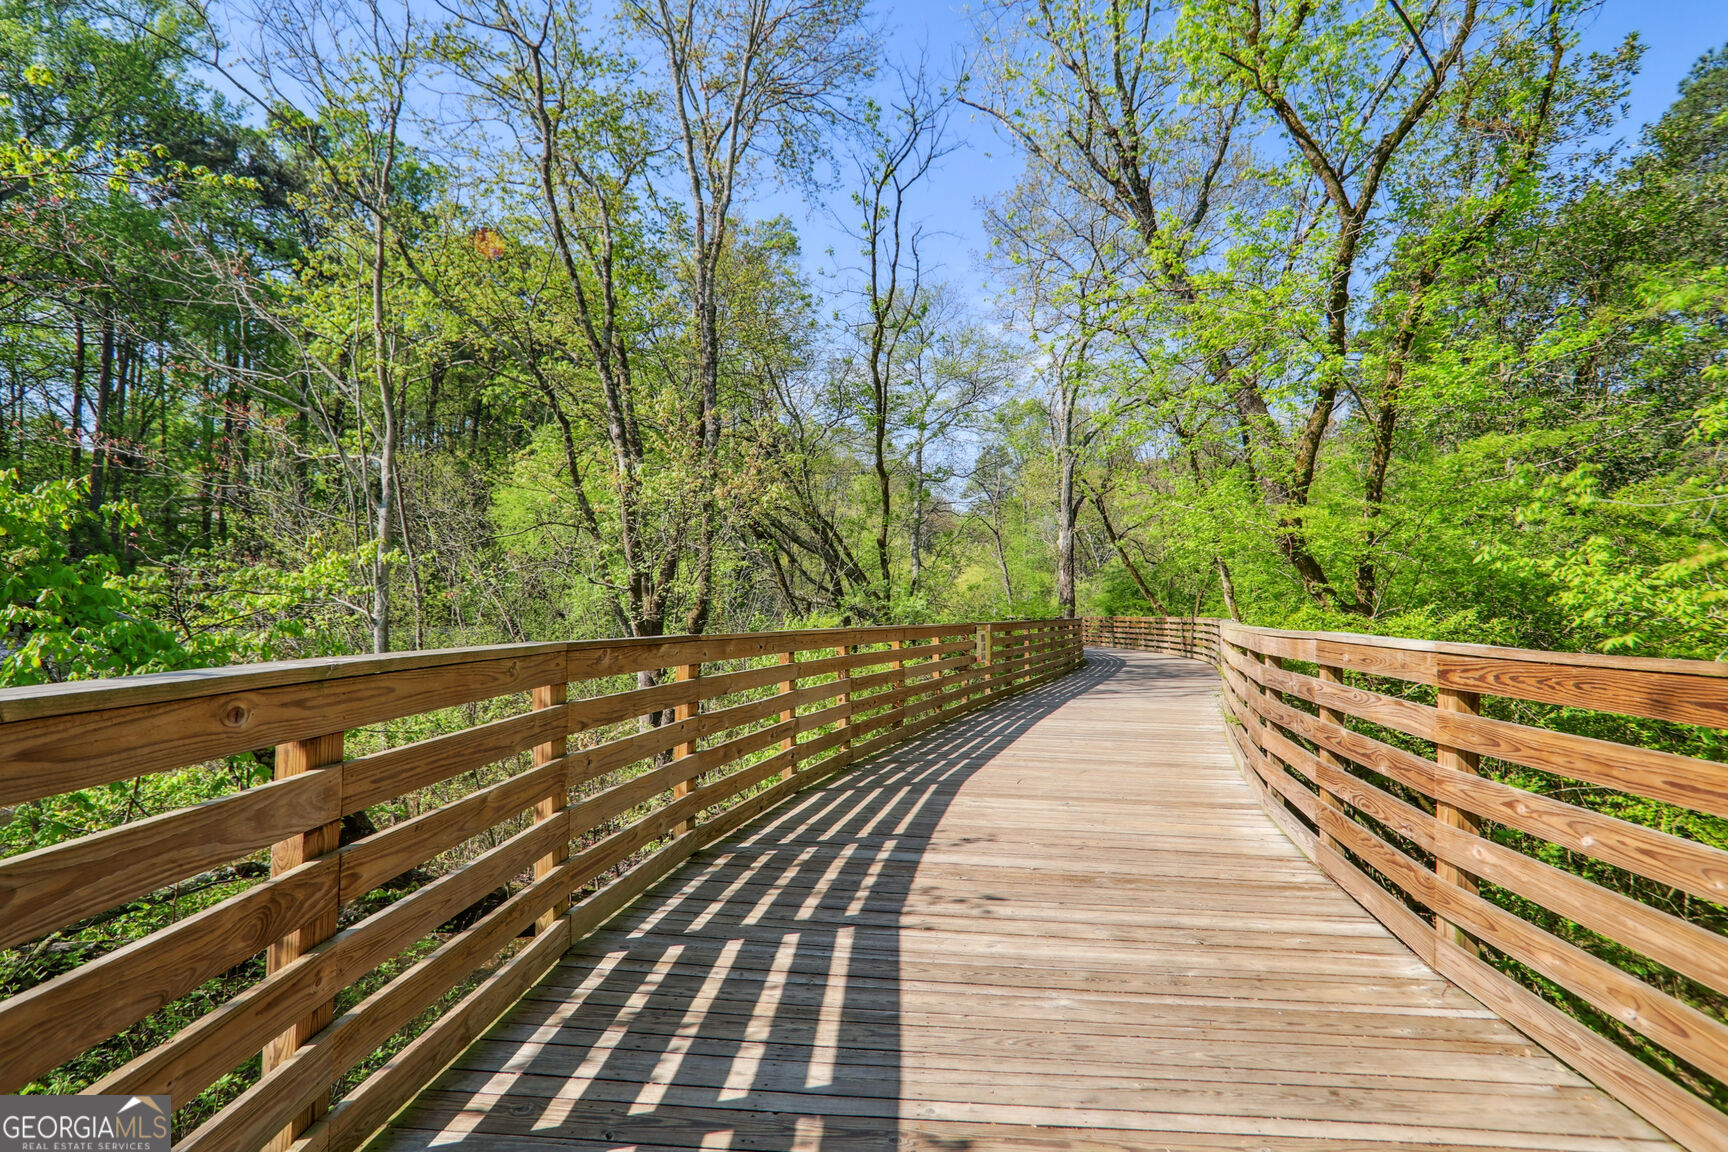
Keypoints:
pixel 120 453
pixel 918 514
pixel 384 533
pixel 708 378
pixel 1117 542
pixel 879 462
pixel 104 396
pixel 80 355
pixel 702 595
pixel 1228 586
pixel 1066 509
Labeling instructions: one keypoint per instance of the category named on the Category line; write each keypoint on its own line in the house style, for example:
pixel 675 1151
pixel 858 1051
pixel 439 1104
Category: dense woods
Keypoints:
pixel 345 326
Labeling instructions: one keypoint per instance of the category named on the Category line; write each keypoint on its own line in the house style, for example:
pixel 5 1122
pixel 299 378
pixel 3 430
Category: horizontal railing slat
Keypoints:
pixel 52 887
pixel 191 1061
pixel 591 659
pixel 1677 1112
pixel 1648 852
pixel 370 862
pixel 1683 946
pixel 383 776
pixel 49 1024
pixel 1682 780
pixel 380 1095
pixel 43 700
pixel 54 755
pixel 1677 1026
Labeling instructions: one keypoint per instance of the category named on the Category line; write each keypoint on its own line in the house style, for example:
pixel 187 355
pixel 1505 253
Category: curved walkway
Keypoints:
pixel 1063 923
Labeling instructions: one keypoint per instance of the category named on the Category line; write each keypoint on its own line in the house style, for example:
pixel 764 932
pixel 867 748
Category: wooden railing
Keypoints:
pixel 542 787
pixel 1573 884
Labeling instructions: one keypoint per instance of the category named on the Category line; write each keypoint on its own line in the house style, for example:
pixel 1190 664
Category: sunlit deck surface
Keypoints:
pixel 1061 923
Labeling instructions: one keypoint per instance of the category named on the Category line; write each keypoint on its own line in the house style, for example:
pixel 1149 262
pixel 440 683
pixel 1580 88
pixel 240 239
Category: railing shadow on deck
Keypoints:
pixel 564 779
pixel 656 1025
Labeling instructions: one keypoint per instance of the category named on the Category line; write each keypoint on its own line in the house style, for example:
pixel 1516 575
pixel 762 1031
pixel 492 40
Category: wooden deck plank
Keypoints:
pixel 597 1125
pixel 1060 925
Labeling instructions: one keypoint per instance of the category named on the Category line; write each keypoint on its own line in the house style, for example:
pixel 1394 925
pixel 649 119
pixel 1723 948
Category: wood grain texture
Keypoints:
pixel 52 1022
pixel 57 754
pixel 321 755
pixel 124 691
pixel 1686 691
pixel 52 887
pixel 382 776
pixel 1199 926
pixel 1660 856
pixel 552 804
pixel 1683 780
pixel 56 738
pixel 369 863
pixel 1675 1025
pixel 1064 915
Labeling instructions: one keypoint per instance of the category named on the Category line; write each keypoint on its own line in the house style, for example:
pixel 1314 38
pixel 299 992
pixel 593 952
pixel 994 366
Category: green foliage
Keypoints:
pixel 69 617
pixel 1642 564
pixel 64 618
pixel 1281 337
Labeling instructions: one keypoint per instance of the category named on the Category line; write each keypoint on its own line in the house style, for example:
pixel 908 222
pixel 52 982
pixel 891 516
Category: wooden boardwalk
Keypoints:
pixel 1061 923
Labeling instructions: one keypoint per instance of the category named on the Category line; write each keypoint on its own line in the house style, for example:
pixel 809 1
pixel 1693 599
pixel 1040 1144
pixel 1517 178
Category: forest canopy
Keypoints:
pixel 358 325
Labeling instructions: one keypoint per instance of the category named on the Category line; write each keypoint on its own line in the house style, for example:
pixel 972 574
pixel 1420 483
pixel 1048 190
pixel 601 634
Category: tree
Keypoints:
pixel 957 369
pixel 748 83
pixel 575 301
pixel 63 618
pixel 1261 291
pixel 1066 264
pixel 901 144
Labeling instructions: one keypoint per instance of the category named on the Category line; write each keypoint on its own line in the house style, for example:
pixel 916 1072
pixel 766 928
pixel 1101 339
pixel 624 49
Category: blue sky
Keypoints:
pixel 1675 33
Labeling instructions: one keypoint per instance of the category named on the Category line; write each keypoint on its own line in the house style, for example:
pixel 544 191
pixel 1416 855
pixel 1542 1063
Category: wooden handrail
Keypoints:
pixel 1429 815
pixel 542 772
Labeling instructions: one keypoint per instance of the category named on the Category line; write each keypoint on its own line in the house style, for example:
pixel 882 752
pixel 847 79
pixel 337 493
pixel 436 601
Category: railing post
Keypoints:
pixel 1452 700
pixel 842 696
pixel 686 749
pixel 1329 799
pixel 986 663
pixel 320 753
pixel 787 687
pixel 899 666
pixel 556 801
pixel 1250 719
